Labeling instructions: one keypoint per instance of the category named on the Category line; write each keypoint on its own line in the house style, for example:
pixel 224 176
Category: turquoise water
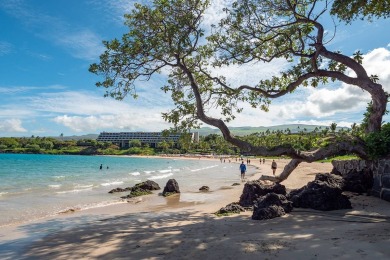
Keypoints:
pixel 34 186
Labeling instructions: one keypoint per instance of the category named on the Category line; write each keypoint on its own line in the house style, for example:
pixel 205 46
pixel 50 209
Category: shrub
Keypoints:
pixel 378 143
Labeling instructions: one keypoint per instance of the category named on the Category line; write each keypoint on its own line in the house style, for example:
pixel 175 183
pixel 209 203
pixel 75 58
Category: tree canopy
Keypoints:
pixel 364 9
pixel 167 37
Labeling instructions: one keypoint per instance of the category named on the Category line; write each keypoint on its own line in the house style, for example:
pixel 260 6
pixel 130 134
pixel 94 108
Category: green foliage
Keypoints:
pixel 135 143
pixel 378 143
pixel 349 10
pixel 340 158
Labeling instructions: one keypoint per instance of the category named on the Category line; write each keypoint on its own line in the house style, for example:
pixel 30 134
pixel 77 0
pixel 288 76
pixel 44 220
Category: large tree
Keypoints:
pixel 167 36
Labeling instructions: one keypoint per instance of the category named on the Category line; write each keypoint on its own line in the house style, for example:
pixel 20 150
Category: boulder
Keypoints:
pixel 148 185
pixel 332 180
pixel 271 206
pixel 232 208
pixel 357 175
pixel 268 213
pixel 170 188
pixel 255 189
pixel 324 193
pixel 204 188
pixel 136 192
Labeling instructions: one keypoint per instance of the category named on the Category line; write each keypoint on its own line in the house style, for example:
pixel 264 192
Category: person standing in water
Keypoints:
pixel 243 170
pixel 101 166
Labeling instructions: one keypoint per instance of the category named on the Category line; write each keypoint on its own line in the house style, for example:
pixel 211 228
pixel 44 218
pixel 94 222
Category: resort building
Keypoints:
pixel 123 139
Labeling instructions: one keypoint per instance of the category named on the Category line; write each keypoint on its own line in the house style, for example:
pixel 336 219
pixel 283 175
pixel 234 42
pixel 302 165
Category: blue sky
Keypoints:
pixel 47 46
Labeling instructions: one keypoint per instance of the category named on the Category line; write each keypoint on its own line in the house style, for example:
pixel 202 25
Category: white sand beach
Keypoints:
pixel 153 227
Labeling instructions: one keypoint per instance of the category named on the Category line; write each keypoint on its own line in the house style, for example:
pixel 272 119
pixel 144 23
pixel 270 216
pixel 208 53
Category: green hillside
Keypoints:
pixel 239 131
pixel 246 130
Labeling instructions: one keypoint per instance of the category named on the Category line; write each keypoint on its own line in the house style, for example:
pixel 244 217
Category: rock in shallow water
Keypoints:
pixel 171 188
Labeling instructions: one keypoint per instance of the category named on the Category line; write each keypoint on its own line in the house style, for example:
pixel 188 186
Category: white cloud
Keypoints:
pixel 83 44
pixel 80 42
pixel 11 90
pixel 113 10
pixel 136 120
pixel 12 125
pixel 5 48
pixel 377 62
pixel 215 12
pixel 250 73
pixel 85 111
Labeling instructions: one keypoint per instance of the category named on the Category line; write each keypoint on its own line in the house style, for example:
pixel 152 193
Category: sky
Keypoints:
pixel 46 48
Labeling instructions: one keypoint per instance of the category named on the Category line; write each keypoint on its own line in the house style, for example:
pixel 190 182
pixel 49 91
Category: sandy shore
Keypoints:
pixel 153 227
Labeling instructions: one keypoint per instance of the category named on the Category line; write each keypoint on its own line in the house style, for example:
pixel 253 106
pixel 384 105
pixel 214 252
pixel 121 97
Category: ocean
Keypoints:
pixel 34 186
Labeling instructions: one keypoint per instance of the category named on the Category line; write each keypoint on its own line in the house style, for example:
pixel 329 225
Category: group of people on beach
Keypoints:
pixel 274 166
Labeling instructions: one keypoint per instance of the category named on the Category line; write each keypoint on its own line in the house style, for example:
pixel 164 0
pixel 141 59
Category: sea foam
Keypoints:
pixel 157 177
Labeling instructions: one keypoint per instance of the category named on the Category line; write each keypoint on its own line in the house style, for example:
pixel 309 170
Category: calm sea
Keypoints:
pixel 35 186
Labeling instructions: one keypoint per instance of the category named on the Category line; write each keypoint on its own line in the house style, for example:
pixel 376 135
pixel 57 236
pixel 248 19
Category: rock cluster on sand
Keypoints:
pixel 256 189
pixel 324 193
pixel 232 208
pixel 270 200
pixel 271 206
pixel 139 189
pixel 172 187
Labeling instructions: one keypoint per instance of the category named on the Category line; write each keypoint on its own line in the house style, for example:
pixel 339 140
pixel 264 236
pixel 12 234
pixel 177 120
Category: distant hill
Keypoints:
pixel 247 130
pixel 77 137
pixel 239 131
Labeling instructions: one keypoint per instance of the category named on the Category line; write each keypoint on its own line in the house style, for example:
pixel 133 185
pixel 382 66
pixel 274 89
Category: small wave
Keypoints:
pixel 205 168
pixel 54 186
pixel 59 177
pixel 84 186
pixel 3 193
pixel 157 177
pixel 100 204
pixel 111 183
pixel 176 170
pixel 134 173
pixel 164 171
pixel 148 172
pixel 73 191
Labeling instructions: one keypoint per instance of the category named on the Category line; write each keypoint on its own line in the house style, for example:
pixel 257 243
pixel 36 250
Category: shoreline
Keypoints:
pixel 154 227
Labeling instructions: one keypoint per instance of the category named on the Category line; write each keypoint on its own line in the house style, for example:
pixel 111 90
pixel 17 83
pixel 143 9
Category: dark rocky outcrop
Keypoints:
pixel 204 188
pixel 331 180
pixel 172 187
pixel 236 184
pixel 119 190
pixel 148 185
pixel 256 189
pixel 143 188
pixel 232 208
pixel 357 175
pixel 271 206
pixel 324 193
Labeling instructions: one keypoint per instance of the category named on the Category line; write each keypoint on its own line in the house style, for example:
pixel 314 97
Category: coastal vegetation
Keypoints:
pixel 378 144
pixel 168 36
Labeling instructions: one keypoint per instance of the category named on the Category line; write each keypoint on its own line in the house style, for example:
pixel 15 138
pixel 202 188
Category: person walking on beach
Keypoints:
pixel 243 170
pixel 273 167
